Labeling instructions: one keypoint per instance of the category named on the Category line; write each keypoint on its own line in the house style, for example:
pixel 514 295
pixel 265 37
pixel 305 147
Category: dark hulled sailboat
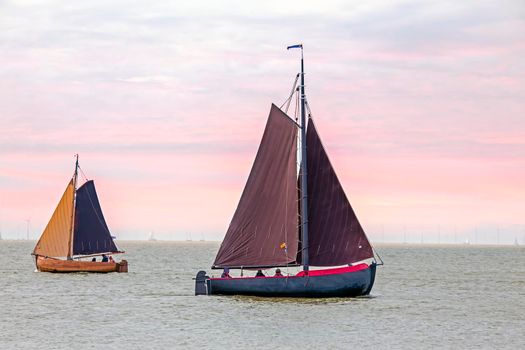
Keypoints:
pixel 269 228
pixel 77 229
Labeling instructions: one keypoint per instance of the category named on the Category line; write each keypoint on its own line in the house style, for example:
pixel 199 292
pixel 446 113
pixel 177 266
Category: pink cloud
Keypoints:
pixel 421 115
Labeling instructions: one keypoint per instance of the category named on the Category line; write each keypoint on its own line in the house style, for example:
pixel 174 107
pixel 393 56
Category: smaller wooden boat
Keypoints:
pixel 77 231
pixel 58 265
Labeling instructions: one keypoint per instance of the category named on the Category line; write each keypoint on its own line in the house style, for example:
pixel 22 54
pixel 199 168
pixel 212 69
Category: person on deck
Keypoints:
pixel 111 259
pixel 278 273
pixel 104 258
pixel 94 259
pixel 259 274
pixel 226 273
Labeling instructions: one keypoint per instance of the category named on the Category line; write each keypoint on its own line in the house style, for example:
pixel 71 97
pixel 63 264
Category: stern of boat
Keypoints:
pixel 201 284
pixel 122 266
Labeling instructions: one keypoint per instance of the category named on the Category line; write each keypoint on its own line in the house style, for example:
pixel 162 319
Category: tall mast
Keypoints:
pixel 72 230
pixel 303 174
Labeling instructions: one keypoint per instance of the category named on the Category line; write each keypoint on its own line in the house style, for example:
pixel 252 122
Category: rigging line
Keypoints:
pixel 293 91
pixel 288 100
pixel 83 174
pixel 296 111
pixel 376 253
pixel 288 105
pixel 309 110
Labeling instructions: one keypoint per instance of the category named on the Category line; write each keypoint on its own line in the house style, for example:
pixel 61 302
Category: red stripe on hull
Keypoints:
pixel 311 273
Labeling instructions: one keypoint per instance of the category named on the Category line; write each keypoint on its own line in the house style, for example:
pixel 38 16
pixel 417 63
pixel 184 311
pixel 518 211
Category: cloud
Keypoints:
pixel 180 91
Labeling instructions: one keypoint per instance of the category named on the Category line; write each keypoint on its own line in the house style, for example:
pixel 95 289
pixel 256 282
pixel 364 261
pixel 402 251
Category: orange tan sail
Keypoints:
pixel 54 242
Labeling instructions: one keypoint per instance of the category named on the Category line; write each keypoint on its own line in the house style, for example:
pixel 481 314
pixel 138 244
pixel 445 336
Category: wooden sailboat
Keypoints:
pixel 77 230
pixel 287 219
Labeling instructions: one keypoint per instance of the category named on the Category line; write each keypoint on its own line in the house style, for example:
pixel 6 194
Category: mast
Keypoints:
pixel 303 174
pixel 72 230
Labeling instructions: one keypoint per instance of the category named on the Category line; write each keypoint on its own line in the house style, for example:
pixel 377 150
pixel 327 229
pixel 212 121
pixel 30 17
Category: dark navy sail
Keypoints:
pixel 91 234
pixel 335 234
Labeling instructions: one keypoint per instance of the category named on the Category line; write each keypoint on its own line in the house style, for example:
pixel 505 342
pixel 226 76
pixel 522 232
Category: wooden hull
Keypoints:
pixel 56 265
pixel 342 282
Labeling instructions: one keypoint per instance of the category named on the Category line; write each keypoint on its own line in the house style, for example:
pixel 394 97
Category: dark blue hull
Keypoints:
pixel 345 284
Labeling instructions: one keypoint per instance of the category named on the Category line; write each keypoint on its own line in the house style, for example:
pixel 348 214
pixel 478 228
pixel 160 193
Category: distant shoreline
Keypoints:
pixel 376 244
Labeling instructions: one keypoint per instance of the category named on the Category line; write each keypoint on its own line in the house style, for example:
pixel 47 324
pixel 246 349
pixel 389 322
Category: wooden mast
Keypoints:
pixel 72 230
pixel 303 174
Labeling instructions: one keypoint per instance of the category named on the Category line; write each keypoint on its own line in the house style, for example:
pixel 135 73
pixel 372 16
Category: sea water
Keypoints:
pixel 451 297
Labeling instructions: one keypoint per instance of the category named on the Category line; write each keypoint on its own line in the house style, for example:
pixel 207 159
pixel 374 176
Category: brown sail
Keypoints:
pixel 263 231
pixel 54 242
pixel 335 235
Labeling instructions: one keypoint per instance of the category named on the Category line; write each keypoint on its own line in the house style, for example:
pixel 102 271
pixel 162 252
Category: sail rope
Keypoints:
pixel 376 253
pixel 308 108
pixel 83 174
pixel 289 99
pixel 297 109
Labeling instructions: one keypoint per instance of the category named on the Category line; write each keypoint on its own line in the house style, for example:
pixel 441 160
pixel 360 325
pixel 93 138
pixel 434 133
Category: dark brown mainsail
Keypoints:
pixel 263 231
pixel 335 235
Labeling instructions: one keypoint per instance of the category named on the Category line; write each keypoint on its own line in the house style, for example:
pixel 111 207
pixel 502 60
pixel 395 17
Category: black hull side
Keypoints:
pixel 348 284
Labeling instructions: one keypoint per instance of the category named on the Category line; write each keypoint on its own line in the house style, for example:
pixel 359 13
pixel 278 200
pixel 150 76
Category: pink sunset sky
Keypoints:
pixel 421 106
